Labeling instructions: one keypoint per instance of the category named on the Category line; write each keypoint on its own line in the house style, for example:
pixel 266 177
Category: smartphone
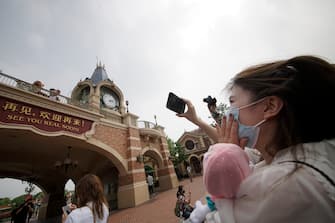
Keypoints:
pixel 176 104
pixel 66 209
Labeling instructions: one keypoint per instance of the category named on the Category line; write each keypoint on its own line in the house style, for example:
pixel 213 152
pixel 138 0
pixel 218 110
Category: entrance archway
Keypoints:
pixel 20 148
pixel 195 163
pixel 153 162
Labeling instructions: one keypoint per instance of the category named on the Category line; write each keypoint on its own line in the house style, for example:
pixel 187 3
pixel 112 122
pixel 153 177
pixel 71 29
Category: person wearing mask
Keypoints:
pixel 92 204
pixel 283 109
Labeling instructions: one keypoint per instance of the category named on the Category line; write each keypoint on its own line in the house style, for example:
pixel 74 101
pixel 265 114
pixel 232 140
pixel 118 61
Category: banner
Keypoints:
pixel 21 113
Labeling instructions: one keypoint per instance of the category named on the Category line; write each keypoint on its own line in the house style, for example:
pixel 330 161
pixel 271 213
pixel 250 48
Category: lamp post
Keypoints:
pixel 155 117
pixel 127 103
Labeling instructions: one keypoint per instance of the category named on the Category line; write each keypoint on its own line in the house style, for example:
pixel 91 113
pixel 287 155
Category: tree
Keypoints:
pixel 177 153
pixel 30 188
pixel 4 201
pixel 221 109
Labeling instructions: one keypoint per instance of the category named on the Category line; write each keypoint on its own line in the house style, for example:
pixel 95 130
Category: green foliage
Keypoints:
pixel 177 153
pixel 18 200
pixel 30 188
pixel 4 201
pixel 219 113
pixel 222 108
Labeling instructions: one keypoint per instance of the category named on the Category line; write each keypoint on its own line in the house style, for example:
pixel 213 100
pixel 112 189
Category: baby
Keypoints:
pixel 225 167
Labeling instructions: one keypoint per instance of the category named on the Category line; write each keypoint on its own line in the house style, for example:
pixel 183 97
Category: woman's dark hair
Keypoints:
pixel 306 84
pixel 89 189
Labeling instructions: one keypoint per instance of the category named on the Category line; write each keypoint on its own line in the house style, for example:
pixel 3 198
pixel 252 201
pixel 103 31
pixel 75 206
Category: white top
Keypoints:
pixel 150 180
pixel 84 215
pixel 272 194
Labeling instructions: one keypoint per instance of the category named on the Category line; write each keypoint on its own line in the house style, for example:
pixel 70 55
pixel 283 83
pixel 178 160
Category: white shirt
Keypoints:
pixel 150 180
pixel 85 215
pixel 272 194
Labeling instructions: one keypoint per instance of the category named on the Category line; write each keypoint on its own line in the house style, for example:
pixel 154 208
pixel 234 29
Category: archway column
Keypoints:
pixel 133 190
pixel 55 201
pixel 167 178
pixel 167 175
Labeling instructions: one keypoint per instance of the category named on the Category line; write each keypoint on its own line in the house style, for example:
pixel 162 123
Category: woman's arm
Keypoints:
pixel 191 115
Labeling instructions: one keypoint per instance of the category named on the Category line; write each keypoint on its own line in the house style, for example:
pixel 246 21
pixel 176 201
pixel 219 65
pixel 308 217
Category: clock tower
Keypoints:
pixel 99 94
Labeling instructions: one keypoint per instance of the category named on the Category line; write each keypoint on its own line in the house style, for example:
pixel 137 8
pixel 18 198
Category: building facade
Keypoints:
pixel 195 144
pixel 48 139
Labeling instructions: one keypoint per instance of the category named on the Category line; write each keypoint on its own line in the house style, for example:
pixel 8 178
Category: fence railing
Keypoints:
pixel 146 124
pixel 23 85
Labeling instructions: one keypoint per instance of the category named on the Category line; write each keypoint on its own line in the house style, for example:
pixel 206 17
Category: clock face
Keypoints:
pixel 109 101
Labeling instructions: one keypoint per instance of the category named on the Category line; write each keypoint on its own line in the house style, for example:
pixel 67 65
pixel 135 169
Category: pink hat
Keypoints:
pixel 225 167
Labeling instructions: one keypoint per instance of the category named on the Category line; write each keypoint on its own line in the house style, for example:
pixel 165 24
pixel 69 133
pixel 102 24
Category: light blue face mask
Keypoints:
pixel 250 132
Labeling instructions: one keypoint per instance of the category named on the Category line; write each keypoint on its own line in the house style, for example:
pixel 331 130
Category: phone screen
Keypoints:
pixel 66 209
pixel 175 103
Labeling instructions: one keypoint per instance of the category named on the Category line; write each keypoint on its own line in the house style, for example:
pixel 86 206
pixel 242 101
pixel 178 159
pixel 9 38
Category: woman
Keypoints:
pixel 284 110
pixel 93 207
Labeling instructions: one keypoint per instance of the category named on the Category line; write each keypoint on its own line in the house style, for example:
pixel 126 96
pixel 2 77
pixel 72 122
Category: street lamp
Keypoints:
pixel 127 103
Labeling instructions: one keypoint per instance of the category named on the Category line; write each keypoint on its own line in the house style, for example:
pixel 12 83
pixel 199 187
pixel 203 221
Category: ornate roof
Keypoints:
pixel 99 74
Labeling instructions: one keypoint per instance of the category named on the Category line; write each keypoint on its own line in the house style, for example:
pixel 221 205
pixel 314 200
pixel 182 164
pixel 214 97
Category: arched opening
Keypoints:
pixel 69 191
pixel 152 163
pixel 14 193
pixel 49 155
pixel 196 165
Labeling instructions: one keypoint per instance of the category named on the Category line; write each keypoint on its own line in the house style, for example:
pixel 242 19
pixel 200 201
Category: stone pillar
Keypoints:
pixel 132 193
pixel 133 188
pixel 56 202
pixel 95 100
pixel 167 179
pixel 167 175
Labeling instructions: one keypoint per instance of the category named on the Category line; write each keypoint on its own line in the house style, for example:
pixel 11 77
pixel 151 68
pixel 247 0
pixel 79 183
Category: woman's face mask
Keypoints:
pixel 246 131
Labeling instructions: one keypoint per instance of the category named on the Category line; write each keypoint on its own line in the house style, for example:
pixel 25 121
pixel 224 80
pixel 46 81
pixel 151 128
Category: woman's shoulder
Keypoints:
pixel 283 170
pixel 80 213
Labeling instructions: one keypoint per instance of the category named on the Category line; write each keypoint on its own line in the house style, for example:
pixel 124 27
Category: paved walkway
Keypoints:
pixel 160 208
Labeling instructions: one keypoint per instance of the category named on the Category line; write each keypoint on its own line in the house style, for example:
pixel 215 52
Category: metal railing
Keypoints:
pixel 146 124
pixel 23 85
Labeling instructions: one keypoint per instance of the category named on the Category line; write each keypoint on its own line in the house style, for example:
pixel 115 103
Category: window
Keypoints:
pixel 189 144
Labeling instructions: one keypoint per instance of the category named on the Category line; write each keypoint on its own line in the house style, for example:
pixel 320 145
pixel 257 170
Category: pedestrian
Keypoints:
pixel 282 109
pixel 180 191
pixel 91 201
pixel 37 87
pixel 21 213
pixel 150 180
pixel 189 172
pixel 183 206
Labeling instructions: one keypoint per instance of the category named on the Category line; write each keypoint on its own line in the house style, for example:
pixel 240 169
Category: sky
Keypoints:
pixel 152 47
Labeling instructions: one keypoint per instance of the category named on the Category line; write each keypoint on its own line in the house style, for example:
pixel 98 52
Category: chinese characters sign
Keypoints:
pixel 51 121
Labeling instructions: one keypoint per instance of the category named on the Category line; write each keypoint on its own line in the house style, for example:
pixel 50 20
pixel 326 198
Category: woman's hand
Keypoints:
pixel 64 216
pixel 190 114
pixel 73 206
pixel 228 132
